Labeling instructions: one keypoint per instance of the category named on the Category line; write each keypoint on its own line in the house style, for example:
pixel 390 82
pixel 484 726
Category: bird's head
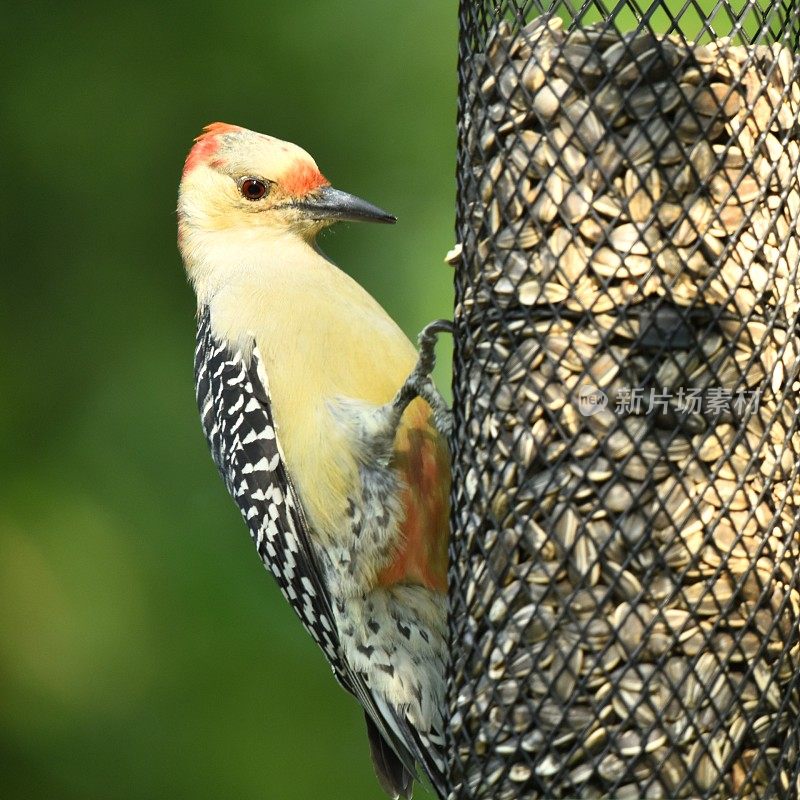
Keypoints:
pixel 235 179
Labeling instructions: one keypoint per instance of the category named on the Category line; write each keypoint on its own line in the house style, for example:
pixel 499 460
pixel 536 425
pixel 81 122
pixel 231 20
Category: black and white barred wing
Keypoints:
pixel 237 420
pixel 233 399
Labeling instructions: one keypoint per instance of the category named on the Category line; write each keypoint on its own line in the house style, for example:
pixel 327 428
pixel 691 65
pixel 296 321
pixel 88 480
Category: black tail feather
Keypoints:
pixel 392 774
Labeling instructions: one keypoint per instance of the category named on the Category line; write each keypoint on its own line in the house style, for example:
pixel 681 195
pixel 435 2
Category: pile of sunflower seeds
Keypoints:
pixel 629 579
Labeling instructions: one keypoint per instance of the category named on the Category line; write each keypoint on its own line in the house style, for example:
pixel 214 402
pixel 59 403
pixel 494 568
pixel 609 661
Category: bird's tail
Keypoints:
pixel 392 774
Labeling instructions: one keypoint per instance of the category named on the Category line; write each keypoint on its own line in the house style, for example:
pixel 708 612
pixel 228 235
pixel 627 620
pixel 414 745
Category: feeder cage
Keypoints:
pixel 625 580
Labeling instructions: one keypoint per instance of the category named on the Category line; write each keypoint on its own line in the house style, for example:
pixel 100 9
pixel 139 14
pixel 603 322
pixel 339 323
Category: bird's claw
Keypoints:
pixel 442 413
pixel 426 342
pixel 420 384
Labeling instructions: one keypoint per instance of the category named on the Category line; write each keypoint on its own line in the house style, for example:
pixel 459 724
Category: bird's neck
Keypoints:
pixel 246 258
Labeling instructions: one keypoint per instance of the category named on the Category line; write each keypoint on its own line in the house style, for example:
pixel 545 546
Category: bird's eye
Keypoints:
pixel 253 188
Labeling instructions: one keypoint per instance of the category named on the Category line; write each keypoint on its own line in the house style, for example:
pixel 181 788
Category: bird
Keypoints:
pixel 328 431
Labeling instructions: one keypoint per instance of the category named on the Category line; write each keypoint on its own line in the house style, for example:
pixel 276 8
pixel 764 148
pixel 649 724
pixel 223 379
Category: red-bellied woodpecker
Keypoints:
pixel 327 430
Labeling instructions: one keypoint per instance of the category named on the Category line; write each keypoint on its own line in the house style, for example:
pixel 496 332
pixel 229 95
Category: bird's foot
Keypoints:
pixel 420 384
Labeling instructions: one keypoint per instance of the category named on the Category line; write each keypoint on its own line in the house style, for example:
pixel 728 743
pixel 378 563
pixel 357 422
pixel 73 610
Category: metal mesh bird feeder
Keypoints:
pixel 625 587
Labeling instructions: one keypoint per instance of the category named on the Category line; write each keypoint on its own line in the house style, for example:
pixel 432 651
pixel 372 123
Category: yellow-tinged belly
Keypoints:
pixel 323 341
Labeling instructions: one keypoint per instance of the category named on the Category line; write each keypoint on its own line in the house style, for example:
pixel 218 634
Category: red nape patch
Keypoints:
pixel 206 144
pixel 302 178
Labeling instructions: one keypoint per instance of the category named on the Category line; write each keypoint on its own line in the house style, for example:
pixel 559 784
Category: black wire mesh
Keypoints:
pixel 624 589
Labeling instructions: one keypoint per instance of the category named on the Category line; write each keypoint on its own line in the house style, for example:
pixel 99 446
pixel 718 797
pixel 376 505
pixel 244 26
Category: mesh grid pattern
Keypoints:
pixel 625 582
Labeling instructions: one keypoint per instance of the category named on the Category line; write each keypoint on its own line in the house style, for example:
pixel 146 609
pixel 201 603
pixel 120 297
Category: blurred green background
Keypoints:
pixel 144 651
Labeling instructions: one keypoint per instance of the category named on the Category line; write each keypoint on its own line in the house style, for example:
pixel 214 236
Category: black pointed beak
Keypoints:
pixel 331 204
